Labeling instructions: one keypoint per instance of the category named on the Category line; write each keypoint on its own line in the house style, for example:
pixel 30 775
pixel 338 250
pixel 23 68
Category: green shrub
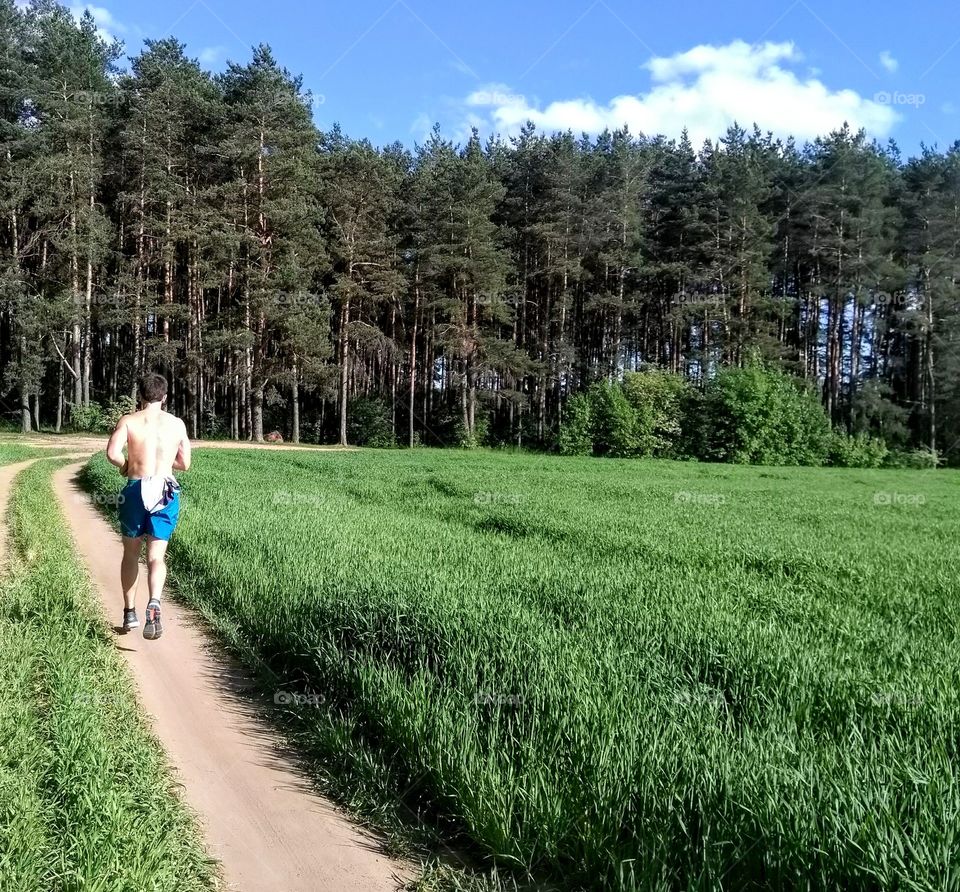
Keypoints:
pixel 369 423
pixel 117 409
pixel 313 432
pixel 576 428
pixel 88 419
pixel 445 427
pixel 657 398
pixel 856 451
pixel 212 425
pixel 614 421
pixel 480 435
pixel 759 415
pixel 922 459
pixel 873 411
pixel 99 419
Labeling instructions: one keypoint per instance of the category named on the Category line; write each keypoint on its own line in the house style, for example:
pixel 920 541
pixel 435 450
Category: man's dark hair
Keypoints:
pixel 152 388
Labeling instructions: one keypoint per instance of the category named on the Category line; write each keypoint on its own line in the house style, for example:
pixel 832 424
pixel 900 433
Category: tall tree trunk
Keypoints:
pixel 75 358
pixel 413 352
pixel 344 366
pixel 141 265
pixel 256 408
pixel 464 407
pixel 87 336
pixel 88 295
pixel 24 383
pixel 234 397
pixel 929 366
pixel 295 398
pixel 24 391
pixel 59 422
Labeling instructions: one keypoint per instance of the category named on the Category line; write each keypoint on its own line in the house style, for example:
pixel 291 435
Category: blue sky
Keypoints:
pixel 387 69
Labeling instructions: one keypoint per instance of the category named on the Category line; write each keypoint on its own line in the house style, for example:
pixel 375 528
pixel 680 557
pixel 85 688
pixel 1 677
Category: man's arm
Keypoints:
pixel 116 444
pixel 182 461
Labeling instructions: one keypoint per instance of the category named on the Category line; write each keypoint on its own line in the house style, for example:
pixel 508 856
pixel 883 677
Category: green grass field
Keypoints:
pixel 627 675
pixel 85 799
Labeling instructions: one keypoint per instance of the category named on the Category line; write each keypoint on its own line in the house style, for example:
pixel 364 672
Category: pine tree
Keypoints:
pixel 361 193
pixel 848 239
pixel 166 114
pixel 20 302
pixel 74 93
pixel 738 183
pixel 931 320
pixel 678 296
pixel 468 266
pixel 271 145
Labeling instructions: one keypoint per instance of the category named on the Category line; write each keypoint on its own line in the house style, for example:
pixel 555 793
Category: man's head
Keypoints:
pixel 152 388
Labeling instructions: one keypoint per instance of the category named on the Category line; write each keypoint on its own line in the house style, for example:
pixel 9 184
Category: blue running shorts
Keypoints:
pixel 136 520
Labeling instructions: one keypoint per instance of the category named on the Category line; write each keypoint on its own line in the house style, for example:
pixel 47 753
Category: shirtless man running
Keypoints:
pixel 157 445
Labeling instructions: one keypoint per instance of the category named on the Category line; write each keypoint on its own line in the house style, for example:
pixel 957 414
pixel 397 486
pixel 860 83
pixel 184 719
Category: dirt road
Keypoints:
pixel 259 816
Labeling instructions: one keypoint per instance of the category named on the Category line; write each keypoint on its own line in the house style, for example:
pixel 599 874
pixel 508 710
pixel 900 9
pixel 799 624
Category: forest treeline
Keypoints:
pixel 284 277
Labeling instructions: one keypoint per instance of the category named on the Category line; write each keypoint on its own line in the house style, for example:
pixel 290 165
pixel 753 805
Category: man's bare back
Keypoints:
pixel 156 442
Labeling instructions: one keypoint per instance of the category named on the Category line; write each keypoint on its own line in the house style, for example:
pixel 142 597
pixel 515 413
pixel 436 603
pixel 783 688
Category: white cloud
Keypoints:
pixel 211 54
pixel 421 126
pixel 737 58
pixel 888 62
pixel 106 24
pixel 704 89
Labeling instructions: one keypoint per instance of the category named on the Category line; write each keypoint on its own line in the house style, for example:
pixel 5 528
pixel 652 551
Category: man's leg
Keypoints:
pixel 130 570
pixel 156 566
pixel 156 577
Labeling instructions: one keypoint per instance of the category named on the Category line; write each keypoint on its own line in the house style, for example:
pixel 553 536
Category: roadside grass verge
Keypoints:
pixel 606 674
pixel 11 453
pixel 86 799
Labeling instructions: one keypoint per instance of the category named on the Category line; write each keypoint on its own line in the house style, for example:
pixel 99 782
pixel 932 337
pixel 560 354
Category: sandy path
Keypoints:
pixel 259 816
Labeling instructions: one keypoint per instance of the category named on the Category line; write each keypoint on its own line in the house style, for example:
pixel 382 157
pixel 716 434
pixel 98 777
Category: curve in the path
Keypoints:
pixel 259 816
pixel 7 475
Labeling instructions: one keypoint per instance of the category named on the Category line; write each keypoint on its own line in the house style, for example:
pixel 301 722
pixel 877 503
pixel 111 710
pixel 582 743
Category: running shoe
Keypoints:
pixel 130 620
pixel 152 628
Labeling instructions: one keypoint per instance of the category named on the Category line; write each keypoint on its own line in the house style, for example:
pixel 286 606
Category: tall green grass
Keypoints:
pixel 86 801
pixel 618 675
